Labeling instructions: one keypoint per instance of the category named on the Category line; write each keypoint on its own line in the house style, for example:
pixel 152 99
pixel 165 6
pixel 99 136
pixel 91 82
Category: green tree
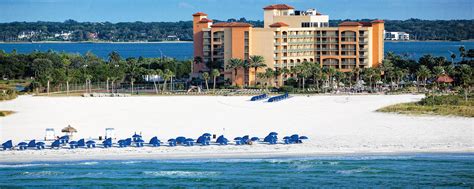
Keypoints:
pixel 235 64
pixel 269 75
pixel 206 76
pixel 256 62
pixel 423 73
pixel 215 73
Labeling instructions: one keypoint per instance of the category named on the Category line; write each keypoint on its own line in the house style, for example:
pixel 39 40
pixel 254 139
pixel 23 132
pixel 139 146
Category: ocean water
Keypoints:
pixel 418 170
pixel 413 50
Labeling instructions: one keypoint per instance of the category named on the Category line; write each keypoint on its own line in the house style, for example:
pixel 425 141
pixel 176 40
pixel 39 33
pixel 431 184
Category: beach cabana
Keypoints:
pixel 81 143
pixel 56 144
pixel 69 130
pixel 107 143
pixel 22 145
pixel 180 139
pixel 139 142
pixel 49 134
pixel 136 137
pixel 73 144
pixel 238 140
pixel 7 145
pixel 222 140
pixel 40 145
pixel 172 142
pixel 189 142
pixel 295 138
pixel 32 144
pixel 155 142
pixel 90 144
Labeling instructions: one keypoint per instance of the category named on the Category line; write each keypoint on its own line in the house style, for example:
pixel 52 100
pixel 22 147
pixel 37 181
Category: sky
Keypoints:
pixel 181 10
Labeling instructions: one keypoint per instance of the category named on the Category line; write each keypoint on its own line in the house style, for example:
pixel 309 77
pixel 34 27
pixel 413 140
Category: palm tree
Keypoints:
pixel 155 72
pixel 269 75
pixel 453 56
pixel 369 74
pixel 330 71
pixel 88 83
pixel 256 62
pixel 261 75
pixel 215 73
pixel 339 76
pixel 48 78
pixel 235 64
pixel 305 71
pixel 462 52
pixel 356 71
pixel 133 71
pixel 205 76
pixel 317 74
pixel 423 73
pixel 167 74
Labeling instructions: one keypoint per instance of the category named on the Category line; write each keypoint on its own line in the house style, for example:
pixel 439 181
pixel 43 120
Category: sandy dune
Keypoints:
pixel 334 124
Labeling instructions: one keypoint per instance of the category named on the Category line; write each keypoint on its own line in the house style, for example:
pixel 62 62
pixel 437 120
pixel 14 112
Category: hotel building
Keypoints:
pixel 288 38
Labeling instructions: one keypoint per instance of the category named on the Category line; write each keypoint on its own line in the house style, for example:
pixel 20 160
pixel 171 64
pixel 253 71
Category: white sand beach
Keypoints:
pixel 334 125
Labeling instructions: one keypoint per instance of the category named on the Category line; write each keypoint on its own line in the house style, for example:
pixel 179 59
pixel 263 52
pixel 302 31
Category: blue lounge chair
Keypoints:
pixel 40 145
pixel 222 140
pixel 271 138
pixel 172 142
pixel 238 140
pixel 7 145
pixel 189 142
pixel 258 97
pixel 90 144
pixel 56 144
pixel 73 144
pixel 107 143
pixel 32 144
pixel 22 145
pixel 81 143
pixel 139 143
pixel 155 142
pixel 64 139
pixel 122 143
pixel 180 140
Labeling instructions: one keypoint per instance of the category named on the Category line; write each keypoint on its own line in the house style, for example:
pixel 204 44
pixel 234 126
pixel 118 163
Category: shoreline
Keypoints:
pixel 132 153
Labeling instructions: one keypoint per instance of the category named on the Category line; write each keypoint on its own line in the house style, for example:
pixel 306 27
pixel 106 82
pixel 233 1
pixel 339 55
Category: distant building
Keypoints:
pixel 27 34
pixel 171 38
pixel 289 37
pixel 397 36
pixel 63 35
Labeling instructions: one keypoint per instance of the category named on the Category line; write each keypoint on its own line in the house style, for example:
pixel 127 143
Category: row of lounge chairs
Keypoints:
pixel 137 141
pixel 278 98
pixel 258 97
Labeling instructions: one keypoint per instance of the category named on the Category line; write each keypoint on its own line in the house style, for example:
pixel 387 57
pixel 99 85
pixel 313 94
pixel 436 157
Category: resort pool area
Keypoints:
pixel 412 170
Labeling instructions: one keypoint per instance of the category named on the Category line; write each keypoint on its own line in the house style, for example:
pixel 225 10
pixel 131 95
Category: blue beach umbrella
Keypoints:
pixel 303 138
pixel 238 138
pixel 273 133
pixel 206 134
pixel 254 139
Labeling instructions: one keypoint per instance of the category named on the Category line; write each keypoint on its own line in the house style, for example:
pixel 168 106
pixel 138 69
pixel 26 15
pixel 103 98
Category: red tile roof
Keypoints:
pixel 231 24
pixel 205 20
pixel 378 21
pixel 350 24
pixel 279 24
pixel 199 14
pixel 366 24
pixel 444 79
pixel 278 7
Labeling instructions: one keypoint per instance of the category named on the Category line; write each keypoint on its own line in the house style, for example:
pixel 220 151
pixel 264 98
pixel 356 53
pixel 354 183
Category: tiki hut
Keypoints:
pixel 444 79
pixel 69 130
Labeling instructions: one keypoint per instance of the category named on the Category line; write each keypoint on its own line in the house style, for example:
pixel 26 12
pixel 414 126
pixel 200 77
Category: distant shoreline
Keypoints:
pixel 92 42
